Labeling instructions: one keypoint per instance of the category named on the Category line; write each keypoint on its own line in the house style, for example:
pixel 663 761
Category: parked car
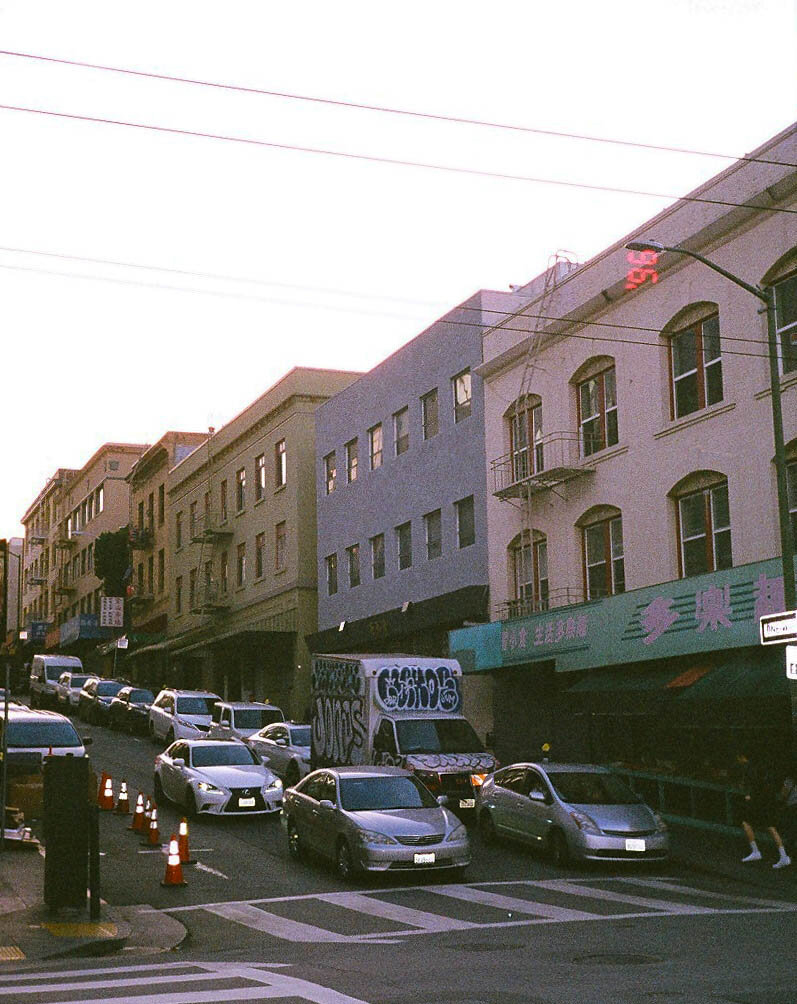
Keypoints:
pixel 68 688
pixel 181 714
pixel 216 776
pixel 286 747
pixel 241 719
pixel 129 709
pixel 95 699
pixel 573 811
pixel 373 819
pixel 41 733
pixel 45 672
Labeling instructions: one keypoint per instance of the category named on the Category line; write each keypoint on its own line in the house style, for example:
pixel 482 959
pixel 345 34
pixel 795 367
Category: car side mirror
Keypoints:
pixel 538 796
pixel 442 799
pixel 179 762
pixel 282 742
pixel 325 803
pixel 265 760
pixel 87 740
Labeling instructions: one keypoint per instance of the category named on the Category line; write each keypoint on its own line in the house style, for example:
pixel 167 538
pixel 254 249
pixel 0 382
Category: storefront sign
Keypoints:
pixel 778 629
pixel 82 626
pixel 112 611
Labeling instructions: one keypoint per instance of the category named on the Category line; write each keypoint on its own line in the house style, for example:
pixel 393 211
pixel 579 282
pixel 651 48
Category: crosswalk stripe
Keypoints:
pixel 675 886
pixel 271 923
pixel 666 906
pixel 139 981
pixel 392 911
pixel 511 904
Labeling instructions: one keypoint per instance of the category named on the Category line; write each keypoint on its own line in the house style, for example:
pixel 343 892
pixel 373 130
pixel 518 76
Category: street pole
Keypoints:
pixel 4 772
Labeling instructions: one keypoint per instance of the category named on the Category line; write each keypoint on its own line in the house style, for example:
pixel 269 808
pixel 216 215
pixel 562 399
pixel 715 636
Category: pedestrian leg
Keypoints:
pixel 783 858
pixel 755 854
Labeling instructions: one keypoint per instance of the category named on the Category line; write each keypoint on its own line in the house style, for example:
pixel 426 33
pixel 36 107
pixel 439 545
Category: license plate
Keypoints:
pixel 635 845
pixel 424 859
pixel 467 803
pixel 246 803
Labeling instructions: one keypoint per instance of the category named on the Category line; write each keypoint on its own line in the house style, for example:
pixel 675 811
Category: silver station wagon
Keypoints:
pixel 573 811
pixel 373 819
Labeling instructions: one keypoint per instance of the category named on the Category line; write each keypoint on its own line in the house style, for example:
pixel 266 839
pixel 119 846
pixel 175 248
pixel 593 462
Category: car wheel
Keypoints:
pixel 344 861
pixel 160 794
pixel 292 774
pixel 191 809
pixel 557 846
pixel 487 828
pixel 295 846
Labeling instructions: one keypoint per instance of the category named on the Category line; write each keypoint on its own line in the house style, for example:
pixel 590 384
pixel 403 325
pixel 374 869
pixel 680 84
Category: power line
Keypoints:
pixel 371 158
pixel 386 109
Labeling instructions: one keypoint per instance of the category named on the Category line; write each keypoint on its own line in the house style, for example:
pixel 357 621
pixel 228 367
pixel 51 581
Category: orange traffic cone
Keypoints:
pixel 101 787
pixel 123 802
pixel 153 837
pixel 185 853
pixel 174 869
pixel 106 798
pixel 138 816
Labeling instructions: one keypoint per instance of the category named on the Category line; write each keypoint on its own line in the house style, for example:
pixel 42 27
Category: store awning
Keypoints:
pixel 624 679
pixel 740 679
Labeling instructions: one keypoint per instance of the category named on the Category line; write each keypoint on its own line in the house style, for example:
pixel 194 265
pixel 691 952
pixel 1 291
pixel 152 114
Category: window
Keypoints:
pixel 597 412
pixel 83 562
pixel 404 545
pixel 401 431
pixel 705 530
pixel 240 490
pixel 791 492
pixel 466 529
pixel 351 461
pixel 89 560
pixel 161 504
pixel 223 501
pixel 260 555
pixel 429 416
pixel 375 446
pixel 696 367
pixel 240 565
pixel 151 575
pixel 330 472
pixel 604 567
pixel 260 477
pixel 178 594
pixel 192 589
pixel 161 570
pixel 193 526
pixel 529 567
pixel 786 320
pixel 462 397
pixel 434 534
pixel 279 546
pixel 178 530
pixel 151 511
pixel 378 555
pixel 353 558
pixel 100 499
pixel 280 464
pixel 332 574
pixel 224 571
pixel 140 520
pixel 525 439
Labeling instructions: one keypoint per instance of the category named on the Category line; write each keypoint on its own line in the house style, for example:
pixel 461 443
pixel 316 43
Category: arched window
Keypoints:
pixel 528 566
pixel 596 398
pixel 695 359
pixel 604 561
pixel 704 523
pixel 524 419
pixel 783 277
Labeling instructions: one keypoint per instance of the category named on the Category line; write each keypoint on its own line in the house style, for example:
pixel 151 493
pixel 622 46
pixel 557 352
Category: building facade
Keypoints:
pixel 632 511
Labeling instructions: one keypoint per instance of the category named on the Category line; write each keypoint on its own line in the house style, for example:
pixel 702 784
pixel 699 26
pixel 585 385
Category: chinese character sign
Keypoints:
pixel 112 611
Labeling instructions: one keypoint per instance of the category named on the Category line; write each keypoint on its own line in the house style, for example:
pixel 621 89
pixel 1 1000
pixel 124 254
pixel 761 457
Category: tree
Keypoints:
pixel 112 560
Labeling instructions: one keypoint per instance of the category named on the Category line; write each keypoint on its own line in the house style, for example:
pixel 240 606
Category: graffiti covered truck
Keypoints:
pixel 402 710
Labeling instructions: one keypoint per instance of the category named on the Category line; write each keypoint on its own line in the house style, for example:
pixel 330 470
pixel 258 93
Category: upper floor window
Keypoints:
pixel 161 504
pixel 434 534
pixel 280 464
pixel 240 490
pixel 786 320
pixel 604 562
pixel 150 511
pixel 704 528
pixel 378 556
pixel 100 499
pixel 224 571
pixel 260 555
pixel 401 431
pixel 529 570
pixel 597 412
pixel 223 501
pixel 178 530
pixel 429 415
pixel 404 545
pixel 330 472
pixel 525 438
pixel 140 520
pixel 351 461
pixel 462 395
pixel 240 564
pixel 279 546
pixel 331 562
pixel 353 557
pixel 791 486
pixel 466 526
pixel 178 594
pixel 375 446
pixel 260 477
pixel 696 367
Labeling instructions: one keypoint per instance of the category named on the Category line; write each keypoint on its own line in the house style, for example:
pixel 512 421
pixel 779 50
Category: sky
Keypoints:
pixel 308 258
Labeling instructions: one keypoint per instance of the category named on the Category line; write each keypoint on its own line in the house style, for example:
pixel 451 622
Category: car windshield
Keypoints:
pixel 300 737
pixel 141 697
pixel 195 705
pixel 437 735
pixel 54 672
pixel 77 681
pixel 256 718
pixel 361 794
pixel 30 735
pixel 107 688
pixel 218 755
pixel 591 788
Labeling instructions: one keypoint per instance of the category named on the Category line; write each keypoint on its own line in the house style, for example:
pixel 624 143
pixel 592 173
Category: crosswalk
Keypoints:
pixel 168 983
pixel 387 916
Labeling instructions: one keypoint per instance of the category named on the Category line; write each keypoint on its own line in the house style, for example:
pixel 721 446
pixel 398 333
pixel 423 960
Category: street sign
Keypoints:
pixel 791 662
pixel 122 642
pixel 779 629
pixel 112 611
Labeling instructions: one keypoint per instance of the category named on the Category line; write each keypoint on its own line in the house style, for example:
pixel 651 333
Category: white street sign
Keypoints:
pixel 122 642
pixel 791 662
pixel 779 629
pixel 112 611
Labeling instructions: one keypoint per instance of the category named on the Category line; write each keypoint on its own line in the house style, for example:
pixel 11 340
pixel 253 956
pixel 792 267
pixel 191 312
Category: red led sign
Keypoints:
pixel 642 269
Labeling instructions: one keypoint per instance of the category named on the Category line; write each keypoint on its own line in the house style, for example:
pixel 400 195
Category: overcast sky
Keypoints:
pixel 348 259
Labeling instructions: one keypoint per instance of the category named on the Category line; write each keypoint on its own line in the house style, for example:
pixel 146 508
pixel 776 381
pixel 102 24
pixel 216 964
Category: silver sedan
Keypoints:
pixel 572 811
pixel 373 819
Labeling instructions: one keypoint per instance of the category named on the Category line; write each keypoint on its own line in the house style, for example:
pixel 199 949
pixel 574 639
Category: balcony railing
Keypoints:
pixel 209 599
pixel 140 599
pixel 64 587
pixel 556 458
pixel 206 526
pixel 64 540
pixel 141 539
pixel 36 580
pixel 566 597
pixel 36 538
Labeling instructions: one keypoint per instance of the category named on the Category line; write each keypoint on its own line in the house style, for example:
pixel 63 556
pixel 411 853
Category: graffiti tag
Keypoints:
pixel 418 688
pixel 338 730
pixel 333 677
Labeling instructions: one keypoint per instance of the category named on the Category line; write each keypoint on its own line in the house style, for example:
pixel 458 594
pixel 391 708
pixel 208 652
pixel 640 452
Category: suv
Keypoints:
pixel 41 733
pixel 45 671
pixel 181 714
pixel 241 719
pixel 68 688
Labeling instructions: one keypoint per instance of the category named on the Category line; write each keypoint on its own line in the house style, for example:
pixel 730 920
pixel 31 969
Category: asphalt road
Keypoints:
pixel 518 930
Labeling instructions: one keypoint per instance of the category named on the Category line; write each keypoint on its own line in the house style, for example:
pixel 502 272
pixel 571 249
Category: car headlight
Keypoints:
pixel 458 833
pixel 207 786
pixel 275 785
pixel 585 823
pixel 374 837
pixel 661 826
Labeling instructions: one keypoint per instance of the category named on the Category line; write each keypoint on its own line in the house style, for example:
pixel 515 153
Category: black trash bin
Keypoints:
pixel 66 831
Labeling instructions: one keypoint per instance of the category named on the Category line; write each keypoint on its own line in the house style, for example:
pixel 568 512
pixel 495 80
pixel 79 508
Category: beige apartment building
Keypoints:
pixel 61 593
pixel 632 504
pixel 241 517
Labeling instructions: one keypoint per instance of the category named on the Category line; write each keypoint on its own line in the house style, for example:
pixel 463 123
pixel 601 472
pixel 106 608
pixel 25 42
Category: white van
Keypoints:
pixel 45 672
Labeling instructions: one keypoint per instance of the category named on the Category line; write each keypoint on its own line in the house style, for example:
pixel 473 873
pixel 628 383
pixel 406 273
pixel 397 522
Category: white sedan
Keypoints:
pixel 216 776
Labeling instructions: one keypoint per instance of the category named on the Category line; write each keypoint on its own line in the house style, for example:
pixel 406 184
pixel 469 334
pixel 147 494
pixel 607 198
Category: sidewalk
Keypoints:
pixel 28 930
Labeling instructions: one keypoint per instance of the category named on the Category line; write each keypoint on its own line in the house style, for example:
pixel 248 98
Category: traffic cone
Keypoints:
pixel 138 816
pixel 185 853
pixel 106 798
pixel 101 787
pixel 153 836
pixel 123 802
pixel 174 869
pixel 147 813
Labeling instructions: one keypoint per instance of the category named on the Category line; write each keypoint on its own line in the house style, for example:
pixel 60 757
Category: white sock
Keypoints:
pixel 755 854
pixel 783 859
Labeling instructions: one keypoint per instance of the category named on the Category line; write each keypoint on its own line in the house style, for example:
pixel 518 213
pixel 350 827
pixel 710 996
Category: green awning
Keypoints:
pixel 625 679
pixel 740 679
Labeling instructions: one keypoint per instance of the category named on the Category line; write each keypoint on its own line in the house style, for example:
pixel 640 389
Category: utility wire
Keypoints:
pixel 385 109
pixel 371 158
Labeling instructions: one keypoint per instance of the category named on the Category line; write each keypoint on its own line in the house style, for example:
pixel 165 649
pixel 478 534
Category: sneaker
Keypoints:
pixel 783 862
pixel 752 856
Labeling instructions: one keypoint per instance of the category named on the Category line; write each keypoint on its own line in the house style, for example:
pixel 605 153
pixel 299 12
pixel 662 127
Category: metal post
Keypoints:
pixel 4 772
pixel 94 862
